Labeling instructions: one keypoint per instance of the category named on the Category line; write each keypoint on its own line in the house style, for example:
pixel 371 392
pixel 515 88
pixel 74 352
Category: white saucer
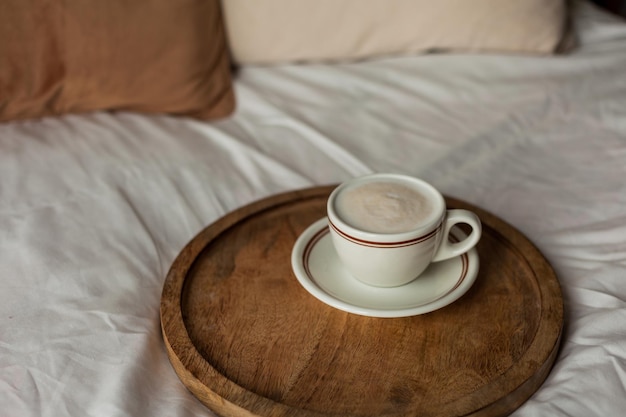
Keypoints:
pixel 319 271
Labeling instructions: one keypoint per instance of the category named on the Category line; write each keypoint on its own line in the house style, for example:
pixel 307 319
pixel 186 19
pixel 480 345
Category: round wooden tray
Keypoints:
pixel 247 340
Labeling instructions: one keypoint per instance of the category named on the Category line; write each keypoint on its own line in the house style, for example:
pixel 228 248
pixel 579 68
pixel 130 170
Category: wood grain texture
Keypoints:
pixel 247 340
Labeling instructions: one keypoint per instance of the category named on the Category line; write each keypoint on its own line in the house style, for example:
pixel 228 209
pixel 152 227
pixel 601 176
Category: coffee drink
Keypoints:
pixel 387 228
pixel 384 206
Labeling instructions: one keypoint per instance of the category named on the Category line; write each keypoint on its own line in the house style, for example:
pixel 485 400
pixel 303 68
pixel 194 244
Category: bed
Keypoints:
pixel 96 205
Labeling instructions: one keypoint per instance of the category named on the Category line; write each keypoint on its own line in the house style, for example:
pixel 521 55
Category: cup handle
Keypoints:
pixel 449 249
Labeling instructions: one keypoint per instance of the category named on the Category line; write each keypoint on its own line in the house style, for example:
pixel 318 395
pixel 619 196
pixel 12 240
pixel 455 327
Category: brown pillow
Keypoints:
pixel 156 56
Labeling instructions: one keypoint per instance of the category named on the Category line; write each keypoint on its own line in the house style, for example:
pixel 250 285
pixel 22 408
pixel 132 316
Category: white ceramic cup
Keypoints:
pixel 387 228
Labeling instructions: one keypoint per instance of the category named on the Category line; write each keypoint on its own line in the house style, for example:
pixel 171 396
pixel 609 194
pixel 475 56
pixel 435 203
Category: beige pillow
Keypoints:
pixel 273 31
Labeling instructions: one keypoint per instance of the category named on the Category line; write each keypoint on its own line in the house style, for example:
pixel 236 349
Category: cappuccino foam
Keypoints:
pixel 384 207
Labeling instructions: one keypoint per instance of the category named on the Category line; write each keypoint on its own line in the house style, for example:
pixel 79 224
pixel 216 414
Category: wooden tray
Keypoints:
pixel 247 340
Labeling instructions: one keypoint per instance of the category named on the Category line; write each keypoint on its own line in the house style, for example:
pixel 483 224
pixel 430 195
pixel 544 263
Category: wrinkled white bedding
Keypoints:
pixel 94 208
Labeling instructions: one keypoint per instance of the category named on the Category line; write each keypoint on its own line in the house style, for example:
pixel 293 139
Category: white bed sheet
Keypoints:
pixel 94 208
